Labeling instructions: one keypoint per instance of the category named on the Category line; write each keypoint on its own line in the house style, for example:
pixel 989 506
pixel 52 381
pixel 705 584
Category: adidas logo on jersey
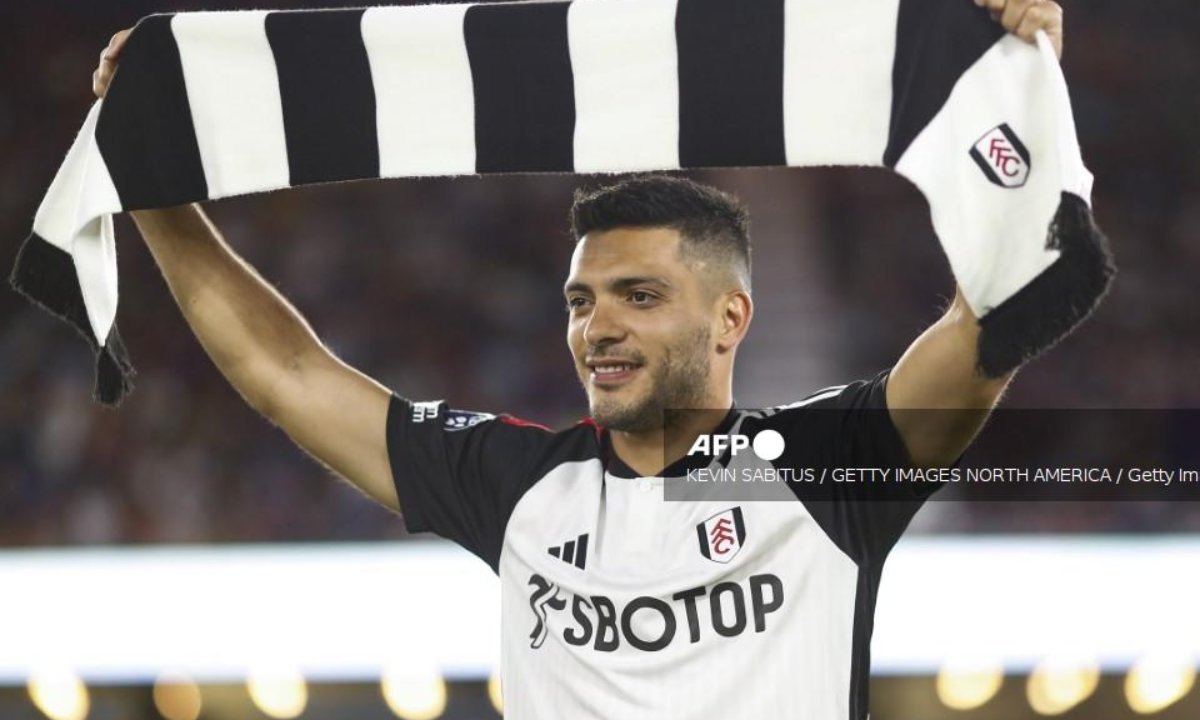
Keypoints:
pixel 573 552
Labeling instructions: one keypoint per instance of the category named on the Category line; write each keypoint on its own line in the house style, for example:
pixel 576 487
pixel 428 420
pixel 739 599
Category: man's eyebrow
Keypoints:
pixel 577 287
pixel 630 282
pixel 620 284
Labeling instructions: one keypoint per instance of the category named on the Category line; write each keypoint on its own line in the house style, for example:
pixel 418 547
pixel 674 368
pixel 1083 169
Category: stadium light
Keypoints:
pixel 278 693
pixel 1158 681
pixel 59 694
pixel 231 609
pixel 177 697
pixel 495 694
pixel 414 695
pixel 244 605
pixel 968 684
pixel 982 588
pixel 1058 684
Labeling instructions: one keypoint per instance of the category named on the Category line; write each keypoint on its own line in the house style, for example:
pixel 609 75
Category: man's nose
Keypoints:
pixel 603 326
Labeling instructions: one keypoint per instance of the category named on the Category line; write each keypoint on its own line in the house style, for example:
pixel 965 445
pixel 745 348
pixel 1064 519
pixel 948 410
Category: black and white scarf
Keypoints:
pixel 213 105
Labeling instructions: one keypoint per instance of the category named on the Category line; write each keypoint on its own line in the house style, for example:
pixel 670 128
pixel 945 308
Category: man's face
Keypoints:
pixel 640 327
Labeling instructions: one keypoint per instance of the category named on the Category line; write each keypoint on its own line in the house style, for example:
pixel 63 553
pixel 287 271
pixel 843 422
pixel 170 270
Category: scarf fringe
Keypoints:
pixel 1051 306
pixel 46 276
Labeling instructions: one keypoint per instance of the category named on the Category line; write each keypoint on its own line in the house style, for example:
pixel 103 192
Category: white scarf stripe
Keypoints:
pixel 233 90
pixel 624 60
pixel 75 217
pixel 837 99
pixel 425 101
pixel 81 190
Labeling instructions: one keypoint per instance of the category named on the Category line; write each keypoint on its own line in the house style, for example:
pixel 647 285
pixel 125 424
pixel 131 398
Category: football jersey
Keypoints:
pixel 618 602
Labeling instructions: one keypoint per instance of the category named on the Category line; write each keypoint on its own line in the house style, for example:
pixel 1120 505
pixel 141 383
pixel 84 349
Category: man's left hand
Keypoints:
pixel 1024 18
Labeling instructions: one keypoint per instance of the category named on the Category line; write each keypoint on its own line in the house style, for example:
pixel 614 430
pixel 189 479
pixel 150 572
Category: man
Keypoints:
pixel 617 604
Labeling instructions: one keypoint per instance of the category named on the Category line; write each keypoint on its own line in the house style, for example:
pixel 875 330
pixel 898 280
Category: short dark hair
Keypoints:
pixel 712 223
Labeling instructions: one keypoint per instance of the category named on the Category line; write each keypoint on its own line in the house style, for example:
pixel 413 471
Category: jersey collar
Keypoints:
pixel 615 466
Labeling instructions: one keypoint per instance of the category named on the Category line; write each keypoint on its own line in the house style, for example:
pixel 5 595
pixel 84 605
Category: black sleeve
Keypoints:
pixel 850 427
pixel 460 474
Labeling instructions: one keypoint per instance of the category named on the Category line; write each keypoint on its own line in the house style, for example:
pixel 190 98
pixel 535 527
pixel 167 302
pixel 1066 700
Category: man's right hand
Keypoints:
pixel 103 76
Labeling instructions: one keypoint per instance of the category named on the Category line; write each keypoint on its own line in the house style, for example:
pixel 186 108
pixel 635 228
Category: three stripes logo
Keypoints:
pixel 722 535
pixel 1002 157
pixel 573 552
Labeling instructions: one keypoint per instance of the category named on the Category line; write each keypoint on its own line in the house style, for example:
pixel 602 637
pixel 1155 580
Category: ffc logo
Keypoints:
pixel 722 535
pixel 1002 157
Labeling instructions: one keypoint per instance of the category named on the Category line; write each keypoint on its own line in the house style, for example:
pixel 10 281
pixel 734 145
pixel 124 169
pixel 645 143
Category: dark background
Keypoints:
pixel 451 288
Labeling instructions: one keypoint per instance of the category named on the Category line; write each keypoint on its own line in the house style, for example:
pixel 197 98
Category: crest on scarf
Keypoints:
pixel 722 535
pixel 1002 157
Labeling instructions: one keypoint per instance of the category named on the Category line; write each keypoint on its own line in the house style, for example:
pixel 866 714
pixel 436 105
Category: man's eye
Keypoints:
pixel 641 297
pixel 575 303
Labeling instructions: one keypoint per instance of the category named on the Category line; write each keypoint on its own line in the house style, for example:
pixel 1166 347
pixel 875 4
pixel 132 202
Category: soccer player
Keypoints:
pixel 616 603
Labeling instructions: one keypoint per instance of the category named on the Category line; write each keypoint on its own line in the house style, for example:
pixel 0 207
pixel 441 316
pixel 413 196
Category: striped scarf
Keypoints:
pixel 213 105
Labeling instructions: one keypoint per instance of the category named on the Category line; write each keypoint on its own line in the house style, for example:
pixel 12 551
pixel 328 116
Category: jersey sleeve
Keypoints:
pixel 460 474
pixel 850 427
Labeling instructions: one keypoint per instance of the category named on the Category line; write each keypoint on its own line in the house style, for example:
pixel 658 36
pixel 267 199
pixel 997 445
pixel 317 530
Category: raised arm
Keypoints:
pixel 938 372
pixel 262 345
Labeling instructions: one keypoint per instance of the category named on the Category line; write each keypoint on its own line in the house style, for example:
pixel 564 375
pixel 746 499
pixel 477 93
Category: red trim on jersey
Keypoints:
pixel 595 426
pixel 518 422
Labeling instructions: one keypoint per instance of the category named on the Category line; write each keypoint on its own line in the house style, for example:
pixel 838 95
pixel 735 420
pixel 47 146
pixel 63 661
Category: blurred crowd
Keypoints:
pixel 452 289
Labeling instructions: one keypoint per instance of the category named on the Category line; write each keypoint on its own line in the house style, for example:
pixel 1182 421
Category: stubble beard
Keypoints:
pixel 678 382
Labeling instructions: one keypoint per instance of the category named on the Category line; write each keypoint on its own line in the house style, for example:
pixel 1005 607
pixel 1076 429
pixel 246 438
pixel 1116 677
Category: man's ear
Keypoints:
pixel 736 310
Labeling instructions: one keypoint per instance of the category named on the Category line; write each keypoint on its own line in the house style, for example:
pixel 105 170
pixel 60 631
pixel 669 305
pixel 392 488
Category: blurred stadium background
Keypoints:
pixel 174 559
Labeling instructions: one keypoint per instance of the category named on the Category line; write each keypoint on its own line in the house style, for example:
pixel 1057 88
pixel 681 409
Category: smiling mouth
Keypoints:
pixel 612 374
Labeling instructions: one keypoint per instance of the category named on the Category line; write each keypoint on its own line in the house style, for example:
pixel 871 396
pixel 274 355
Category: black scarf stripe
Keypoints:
pixel 936 43
pixel 328 107
pixel 730 83
pixel 524 87
pixel 146 134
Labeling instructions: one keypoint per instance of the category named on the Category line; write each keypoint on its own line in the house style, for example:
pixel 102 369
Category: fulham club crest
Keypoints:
pixel 1002 157
pixel 722 535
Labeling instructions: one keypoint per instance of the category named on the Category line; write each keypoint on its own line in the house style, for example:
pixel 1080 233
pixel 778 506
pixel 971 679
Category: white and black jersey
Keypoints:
pixel 619 604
